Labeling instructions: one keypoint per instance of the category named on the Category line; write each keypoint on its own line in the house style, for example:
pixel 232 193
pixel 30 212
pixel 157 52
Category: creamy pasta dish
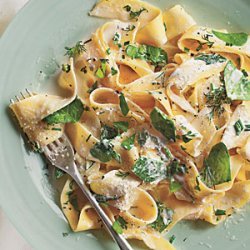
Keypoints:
pixel 157 109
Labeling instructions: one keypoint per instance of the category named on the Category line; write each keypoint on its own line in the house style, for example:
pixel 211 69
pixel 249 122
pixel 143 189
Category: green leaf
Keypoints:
pixel 136 14
pixel 239 127
pixel 149 170
pixel 113 71
pixel 131 51
pixel 189 136
pixel 237 39
pixel 66 68
pixel 121 174
pixel 104 152
pixel 123 104
pixel 93 87
pixel 59 173
pixel 70 113
pixel 211 58
pixel 164 218
pixel 174 186
pixel 108 132
pixel 237 85
pixel 219 212
pixel 172 239
pixel 217 166
pixel 119 225
pixel 129 142
pixel 76 50
pixel 163 124
pixel 123 126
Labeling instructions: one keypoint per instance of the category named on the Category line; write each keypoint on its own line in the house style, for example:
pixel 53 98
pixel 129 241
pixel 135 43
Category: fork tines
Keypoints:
pixel 22 97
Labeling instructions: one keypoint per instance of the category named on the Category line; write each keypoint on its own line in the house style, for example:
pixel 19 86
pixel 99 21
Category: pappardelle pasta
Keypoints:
pixel 157 109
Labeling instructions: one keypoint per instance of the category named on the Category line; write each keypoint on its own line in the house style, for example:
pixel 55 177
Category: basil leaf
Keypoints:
pixel 123 105
pixel 164 218
pixel 217 166
pixel 108 132
pixel 119 225
pixel 237 39
pixel 211 58
pixel 123 126
pixel 149 170
pixel 163 124
pixel 237 85
pixel 129 142
pixel 104 152
pixel 70 113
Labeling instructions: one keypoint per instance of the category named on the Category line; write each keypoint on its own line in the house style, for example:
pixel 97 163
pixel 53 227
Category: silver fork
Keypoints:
pixel 60 153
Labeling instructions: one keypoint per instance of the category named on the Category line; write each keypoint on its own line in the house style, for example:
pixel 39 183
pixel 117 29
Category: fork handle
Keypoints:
pixel 119 239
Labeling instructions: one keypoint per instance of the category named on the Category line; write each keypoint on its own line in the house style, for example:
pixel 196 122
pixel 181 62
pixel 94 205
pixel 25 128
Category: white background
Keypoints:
pixel 10 239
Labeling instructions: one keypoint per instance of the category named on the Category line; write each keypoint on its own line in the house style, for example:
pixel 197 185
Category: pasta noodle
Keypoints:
pixel 157 109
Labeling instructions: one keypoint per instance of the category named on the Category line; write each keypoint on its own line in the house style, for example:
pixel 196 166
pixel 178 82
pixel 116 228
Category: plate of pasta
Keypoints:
pixel 154 97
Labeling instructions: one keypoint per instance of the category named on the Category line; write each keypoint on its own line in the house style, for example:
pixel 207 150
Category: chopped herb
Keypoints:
pixel 244 72
pixel 142 137
pixel 186 50
pixel 119 225
pixel 127 8
pixel 208 42
pixel 237 85
pixel 108 51
pixel 175 168
pixel 93 87
pixel 167 153
pixel 163 124
pixel 104 199
pixel 217 166
pixel 76 50
pixel 123 126
pixel 164 218
pixel 174 186
pixel 189 136
pixel 121 174
pixel 136 14
pixel 197 187
pixel 247 127
pixel 116 39
pixel 70 113
pixel 88 137
pixel 99 73
pixel 104 151
pixel 215 99
pixel 129 28
pixel 108 132
pixel 113 71
pixel 59 173
pixel 211 58
pixel 239 127
pixel 149 170
pixel 131 51
pixel 123 104
pixel 126 43
pixel 66 68
pixel 165 26
pixel 237 39
pixel 172 239
pixel 129 142
pixel 219 212
pixel 56 129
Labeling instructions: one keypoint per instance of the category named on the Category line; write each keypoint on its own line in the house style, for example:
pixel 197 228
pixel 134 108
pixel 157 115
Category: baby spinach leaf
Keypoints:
pixel 163 124
pixel 217 166
pixel 237 85
pixel 237 39
pixel 129 142
pixel 70 113
pixel 211 58
pixel 149 170
pixel 164 218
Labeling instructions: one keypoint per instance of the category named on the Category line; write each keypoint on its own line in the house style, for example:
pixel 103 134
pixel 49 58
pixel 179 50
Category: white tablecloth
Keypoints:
pixel 10 239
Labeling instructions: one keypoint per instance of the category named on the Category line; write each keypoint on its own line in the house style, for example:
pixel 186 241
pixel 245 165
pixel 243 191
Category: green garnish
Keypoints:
pixel 217 166
pixel 174 186
pixel 136 14
pixel 127 8
pixel 142 137
pixel 101 72
pixel 247 127
pixel 76 50
pixel 105 199
pixel 59 173
pixel 237 85
pixel 108 51
pixel 163 124
pixel 116 39
pixel 164 218
pixel 123 104
pixel 56 129
pixel 189 136
pixel 219 212
pixel 165 26
pixel 172 239
pixel 208 42
pixel 70 113
pixel 108 132
pixel 215 99
pixel 237 39
pixel 186 50
pixel 211 58
pixel 113 71
pixel 129 28
pixel 121 126
pixel 167 153
pixel 197 187
pixel 239 127
pixel 121 174
pixel 66 68
pixel 156 56
pixel 129 142
pixel 119 225
pixel 104 151
pixel 175 168
pixel 149 170
pixel 93 87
